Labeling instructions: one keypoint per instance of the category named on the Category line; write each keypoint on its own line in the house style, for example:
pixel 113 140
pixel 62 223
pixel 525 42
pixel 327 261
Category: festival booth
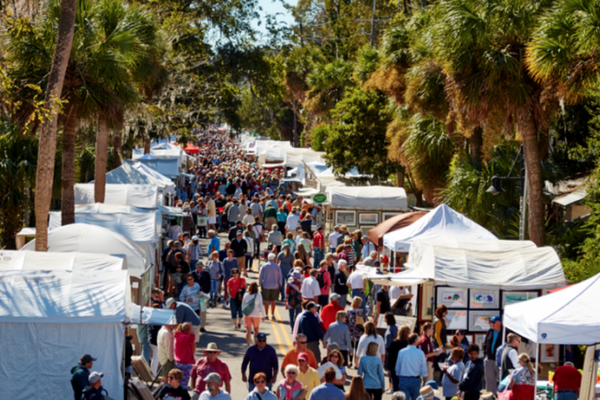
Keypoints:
pixel 566 317
pixel 189 148
pixel 393 224
pixel 84 238
pixel 128 175
pixel 474 279
pixel 170 186
pixel 144 196
pixel 164 150
pixel 141 227
pixel 362 207
pixel 166 166
pixel 49 319
pixel 35 261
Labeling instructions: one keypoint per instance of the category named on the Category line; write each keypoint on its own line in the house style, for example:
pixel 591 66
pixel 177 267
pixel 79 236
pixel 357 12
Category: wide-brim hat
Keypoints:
pixel 212 347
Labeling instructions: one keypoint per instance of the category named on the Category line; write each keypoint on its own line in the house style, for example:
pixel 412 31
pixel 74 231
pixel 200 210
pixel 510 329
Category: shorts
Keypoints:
pixel 212 220
pixel 252 322
pixel 169 365
pixel 270 294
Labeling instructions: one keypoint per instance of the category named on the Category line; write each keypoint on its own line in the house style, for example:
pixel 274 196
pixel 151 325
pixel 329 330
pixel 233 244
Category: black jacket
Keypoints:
pixel 339 283
pixel 473 376
pixel 490 353
pixel 239 248
pixel 89 393
pixel 233 232
pixel 203 280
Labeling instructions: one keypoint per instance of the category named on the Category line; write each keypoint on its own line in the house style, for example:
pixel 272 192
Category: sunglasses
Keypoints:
pixel 256 382
pixel 302 342
pixel 334 356
pixel 262 340
pixel 291 373
pixel 301 361
pixel 211 352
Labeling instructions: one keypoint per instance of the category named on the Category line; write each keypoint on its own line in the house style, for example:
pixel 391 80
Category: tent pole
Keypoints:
pixel 537 361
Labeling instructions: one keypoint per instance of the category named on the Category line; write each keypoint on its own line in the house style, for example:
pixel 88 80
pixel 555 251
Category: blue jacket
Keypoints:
pixel 309 325
pixel 79 379
pixel 472 378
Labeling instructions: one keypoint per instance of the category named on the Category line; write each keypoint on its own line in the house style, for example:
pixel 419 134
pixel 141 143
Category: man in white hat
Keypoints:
pixel 205 365
pixel 213 389
pixel 94 390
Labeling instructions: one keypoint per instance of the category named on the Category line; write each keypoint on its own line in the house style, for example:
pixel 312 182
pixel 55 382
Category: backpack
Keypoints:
pixel 249 307
pixel 321 279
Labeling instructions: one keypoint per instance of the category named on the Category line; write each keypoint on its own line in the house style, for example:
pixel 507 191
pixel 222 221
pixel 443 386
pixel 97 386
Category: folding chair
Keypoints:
pixel 145 377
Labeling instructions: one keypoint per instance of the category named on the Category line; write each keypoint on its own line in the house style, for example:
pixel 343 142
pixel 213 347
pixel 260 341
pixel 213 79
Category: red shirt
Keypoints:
pixel 318 240
pixel 567 378
pixel 203 368
pixel 235 286
pixel 329 313
pixel 425 346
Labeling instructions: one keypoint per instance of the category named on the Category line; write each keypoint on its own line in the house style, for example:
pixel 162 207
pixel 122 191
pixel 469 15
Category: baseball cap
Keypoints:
pixel 261 336
pixel 195 238
pixel 185 234
pixel 495 318
pixel 86 358
pixel 303 356
pixel 311 305
pixel 95 377
pixel 335 296
pixel 238 232
pixel 213 377
pixel 385 259
pixel 170 302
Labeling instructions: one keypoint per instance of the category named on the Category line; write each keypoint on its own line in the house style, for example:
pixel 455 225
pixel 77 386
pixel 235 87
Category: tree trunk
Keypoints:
pixel 400 179
pixel 68 167
pixel 476 144
pixel 101 159
pixel 118 149
pixel 47 145
pixel 147 142
pixel 535 181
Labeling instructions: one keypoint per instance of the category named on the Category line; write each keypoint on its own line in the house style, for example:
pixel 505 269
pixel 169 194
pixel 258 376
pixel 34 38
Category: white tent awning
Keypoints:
pixel 440 223
pixel 170 186
pixel 34 261
pixel 568 316
pixel 367 197
pixel 145 196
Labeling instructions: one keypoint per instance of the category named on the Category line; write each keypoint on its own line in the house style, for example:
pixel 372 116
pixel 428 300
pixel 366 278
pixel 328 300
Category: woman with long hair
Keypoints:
pixel 398 344
pixel 357 390
pixel 236 287
pixel 335 356
pixel 184 348
pixel 523 375
pixel 370 336
pixel 285 259
pixel 371 369
pixel 355 320
pixel 439 327
pixel 252 321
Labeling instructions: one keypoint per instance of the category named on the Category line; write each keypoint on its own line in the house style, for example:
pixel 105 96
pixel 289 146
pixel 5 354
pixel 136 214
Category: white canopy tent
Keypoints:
pixel 515 269
pixel 367 197
pixel 141 228
pixel 166 166
pixel 568 316
pixel 296 156
pixel 84 238
pixel 162 150
pixel 440 223
pixel 35 261
pixel 49 319
pixel 125 174
pixel 170 186
pixel 145 196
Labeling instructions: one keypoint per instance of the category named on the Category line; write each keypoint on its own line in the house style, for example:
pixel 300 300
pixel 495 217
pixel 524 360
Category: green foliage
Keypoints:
pixel 357 135
pixel 318 136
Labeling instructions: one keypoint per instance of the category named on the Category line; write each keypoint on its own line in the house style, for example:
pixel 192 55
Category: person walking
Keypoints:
pixel 184 349
pixel 289 388
pixel 411 366
pixel 190 294
pixel 270 217
pixel 493 340
pixel 229 264
pixel 299 347
pixel 270 280
pixel 399 343
pixel 327 390
pixel 426 347
pixel 285 259
pixel 185 313
pixel 371 369
pixel 166 355
pixel 318 243
pixel 370 336
pixel 357 390
pixel 173 389
pixel 253 318
pixel 262 358
pixel 80 375
pixel 324 280
pixel 357 284
pixel 311 289
pixel 339 333
pixel 310 326
pixel 340 283
pixel 329 312
pixel 213 389
pixel 382 302
pixel 94 390
pixel 471 383
pixel 275 239
pixel 356 318
pixel 236 286
pixel 510 357
pixel 308 376
pixel 293 302
pixel 260 391
pixel 240 248
pixel 206 365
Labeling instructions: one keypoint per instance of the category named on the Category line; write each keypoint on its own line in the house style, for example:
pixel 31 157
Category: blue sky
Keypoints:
pixel 274 7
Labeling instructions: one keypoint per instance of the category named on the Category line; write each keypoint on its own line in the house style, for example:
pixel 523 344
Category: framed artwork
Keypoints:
pixel 509 298
pixel 479 340
pixel 452 297
pixel 366 228
pixel 343 217
pixel 469 338
pixel 426 301
pixel 549 353
pixel 484 299
pixel 479 321
pixel 401 321
pixel 456 319
pixel 369 219
pixel 387 215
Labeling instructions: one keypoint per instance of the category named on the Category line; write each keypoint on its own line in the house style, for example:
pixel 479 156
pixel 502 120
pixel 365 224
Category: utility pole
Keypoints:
pixel 373 24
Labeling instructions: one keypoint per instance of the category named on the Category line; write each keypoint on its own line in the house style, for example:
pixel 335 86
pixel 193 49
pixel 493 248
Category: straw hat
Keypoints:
pixel 212 347
pixel 427 392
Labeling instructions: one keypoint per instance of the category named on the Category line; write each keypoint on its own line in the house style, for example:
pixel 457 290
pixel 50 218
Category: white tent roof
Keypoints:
pixel 367 197
pixel 295 157
pixel 167 166
pixel 138 227
pixel 34 260
pixel 147 157
pixel 170 186
pixel 125 174
pixel 568 316
pixel 516 269
pixel 440 223
pixel 145 196
pixel 162 151
pixel 64 297
pixel 84 238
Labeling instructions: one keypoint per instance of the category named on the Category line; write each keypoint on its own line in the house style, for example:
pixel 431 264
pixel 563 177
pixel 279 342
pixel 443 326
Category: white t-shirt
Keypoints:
pixel 310 288
pixel 292 222
pixel 364 341
pixel 395 292
pixel 355 280
pixel 333 239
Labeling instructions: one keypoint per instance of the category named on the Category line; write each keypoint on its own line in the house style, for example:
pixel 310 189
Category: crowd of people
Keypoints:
pixel 333 310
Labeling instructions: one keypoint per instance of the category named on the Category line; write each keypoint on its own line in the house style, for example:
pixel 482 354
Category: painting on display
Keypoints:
pixel 366 228
pixel 456 319
pixel 479 321
pixel 509 298
pixel 479 340
pixel 369 219
pixel 426 300
pixel 549 353
pixel 345 218
pixel 452 297
pixel 484 299
pixel 387 215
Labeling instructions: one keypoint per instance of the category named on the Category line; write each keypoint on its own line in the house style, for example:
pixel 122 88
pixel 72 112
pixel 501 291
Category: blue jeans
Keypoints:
pixel 236 312
pixel 284 275
pixel 410 386
pixel 318 255
pixel 214 288
pixel 342 300
pixel 294 312
pixel 193 265
pixel 363 305
pixel 146 350
pixel 565 396
pixel 249 260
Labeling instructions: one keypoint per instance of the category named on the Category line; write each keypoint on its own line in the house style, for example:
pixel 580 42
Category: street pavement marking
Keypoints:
pixel 278 338
pixel 284 329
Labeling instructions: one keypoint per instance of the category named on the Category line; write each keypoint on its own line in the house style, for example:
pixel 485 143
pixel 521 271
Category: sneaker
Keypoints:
pixel 272 318
pixel 235 328
pixel 224 305
pixel 202 330
pixel 239 326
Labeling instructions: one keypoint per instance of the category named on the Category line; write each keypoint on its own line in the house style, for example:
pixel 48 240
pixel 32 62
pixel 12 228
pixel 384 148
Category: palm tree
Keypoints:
pixel 481 46
pixel 327 83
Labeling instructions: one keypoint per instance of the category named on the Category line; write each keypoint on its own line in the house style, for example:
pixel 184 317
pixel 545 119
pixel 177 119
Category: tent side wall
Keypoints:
pixel 40 356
